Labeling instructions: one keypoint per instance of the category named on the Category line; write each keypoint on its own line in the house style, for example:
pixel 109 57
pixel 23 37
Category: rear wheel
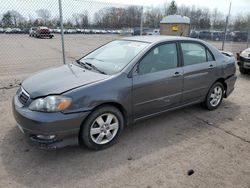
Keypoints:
pixel 214 96
pixel 102 128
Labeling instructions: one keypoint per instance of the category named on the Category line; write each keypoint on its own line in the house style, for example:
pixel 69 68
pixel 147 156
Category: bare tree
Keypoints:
pixel 12 18
pixel 44 14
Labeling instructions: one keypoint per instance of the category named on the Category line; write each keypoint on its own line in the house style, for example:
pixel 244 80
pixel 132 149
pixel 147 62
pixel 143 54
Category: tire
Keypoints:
pixel 243 71
pixel 214 96
pixel 96 133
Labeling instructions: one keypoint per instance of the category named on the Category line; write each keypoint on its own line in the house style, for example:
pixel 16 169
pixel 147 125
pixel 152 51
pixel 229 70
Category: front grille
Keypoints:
pixel 23 96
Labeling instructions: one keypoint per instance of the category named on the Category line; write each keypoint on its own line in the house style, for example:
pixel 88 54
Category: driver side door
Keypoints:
pixel 157 81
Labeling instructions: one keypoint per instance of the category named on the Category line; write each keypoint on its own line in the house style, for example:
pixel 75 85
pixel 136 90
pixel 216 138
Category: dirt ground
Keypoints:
pixel 152 153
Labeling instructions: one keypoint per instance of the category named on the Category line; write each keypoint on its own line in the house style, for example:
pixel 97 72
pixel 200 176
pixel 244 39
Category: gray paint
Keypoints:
pixel 139 96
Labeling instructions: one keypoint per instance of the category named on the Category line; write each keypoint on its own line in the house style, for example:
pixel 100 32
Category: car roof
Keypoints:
pixel 157 38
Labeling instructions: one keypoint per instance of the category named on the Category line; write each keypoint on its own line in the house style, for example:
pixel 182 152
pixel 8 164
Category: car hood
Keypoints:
pixel 59 80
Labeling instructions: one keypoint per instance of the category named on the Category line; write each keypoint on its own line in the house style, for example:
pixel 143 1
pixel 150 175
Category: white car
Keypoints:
pixel 244 61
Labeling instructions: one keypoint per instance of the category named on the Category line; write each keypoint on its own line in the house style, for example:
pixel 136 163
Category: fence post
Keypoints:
pixel 62 31
pixel 225 31
pixel 141 25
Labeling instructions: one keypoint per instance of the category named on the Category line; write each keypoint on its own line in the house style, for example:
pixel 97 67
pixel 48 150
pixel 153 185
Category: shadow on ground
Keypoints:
pixel 33 167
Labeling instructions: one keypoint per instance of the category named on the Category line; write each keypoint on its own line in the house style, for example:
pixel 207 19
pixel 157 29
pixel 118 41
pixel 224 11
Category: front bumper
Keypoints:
pixel 65 127
pixel 244 62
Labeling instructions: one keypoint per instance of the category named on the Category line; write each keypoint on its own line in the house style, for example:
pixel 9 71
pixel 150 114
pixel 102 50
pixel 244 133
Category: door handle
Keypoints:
pixel 211 66
pixel 177 74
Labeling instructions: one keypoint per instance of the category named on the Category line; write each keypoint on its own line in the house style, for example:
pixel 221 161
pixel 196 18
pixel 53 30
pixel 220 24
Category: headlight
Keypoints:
pixel 50 104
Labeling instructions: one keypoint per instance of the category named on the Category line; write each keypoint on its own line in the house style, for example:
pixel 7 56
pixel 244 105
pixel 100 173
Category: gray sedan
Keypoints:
pixel 91 100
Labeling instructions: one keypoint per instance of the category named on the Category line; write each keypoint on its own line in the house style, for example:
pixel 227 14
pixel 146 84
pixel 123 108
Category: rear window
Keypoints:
pixel 194 53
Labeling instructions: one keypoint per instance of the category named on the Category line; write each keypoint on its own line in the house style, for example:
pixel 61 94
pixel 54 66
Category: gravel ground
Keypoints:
pixel 157 152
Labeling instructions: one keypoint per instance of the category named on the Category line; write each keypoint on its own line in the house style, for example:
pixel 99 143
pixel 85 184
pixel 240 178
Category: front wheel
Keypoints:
pixel 214 96
pixel 102 128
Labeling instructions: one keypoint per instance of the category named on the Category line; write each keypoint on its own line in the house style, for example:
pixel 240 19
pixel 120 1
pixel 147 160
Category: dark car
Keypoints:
pixel 43 32
pixel 206 35
pixel 91 100
pixel 244 61
pixel 137 31
pixel 240 36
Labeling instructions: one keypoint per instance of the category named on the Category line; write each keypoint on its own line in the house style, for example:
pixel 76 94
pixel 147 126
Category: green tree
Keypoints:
pixel 172 9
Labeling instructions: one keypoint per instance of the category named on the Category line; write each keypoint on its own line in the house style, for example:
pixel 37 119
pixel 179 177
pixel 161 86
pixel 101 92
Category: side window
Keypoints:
pixel 193 53
pixel 160 58
pixel 209 56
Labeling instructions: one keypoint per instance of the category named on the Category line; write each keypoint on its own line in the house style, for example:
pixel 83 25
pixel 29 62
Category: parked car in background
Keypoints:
pixel 91 100
pixel 32 31
pixel 240 36
pixel 2 30
pixel 137 31
pixel 154 32
pixel 43 32
pixel 13 31
pixel 217 35
pixel 194 34
pixel 244 61
pixel 207 35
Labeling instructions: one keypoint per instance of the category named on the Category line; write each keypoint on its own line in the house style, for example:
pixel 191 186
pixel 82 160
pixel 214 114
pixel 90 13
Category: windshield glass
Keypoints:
pixel 114 56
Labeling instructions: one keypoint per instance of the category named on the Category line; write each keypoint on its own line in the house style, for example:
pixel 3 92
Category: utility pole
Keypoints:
pixel 225 31
pixel 62 31
pixel 141 25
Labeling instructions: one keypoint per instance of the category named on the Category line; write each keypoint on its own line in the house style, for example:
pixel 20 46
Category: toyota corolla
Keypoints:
pixel 91 100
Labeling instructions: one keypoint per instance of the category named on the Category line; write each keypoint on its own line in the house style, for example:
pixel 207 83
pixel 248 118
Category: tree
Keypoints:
pixel 153 17
pixel 7 19
pixel 172 9
pixel 241 23
pixel 12 18
pixel 44 14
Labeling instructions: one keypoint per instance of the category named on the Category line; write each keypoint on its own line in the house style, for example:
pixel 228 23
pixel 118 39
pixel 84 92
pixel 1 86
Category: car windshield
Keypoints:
pixel 114 56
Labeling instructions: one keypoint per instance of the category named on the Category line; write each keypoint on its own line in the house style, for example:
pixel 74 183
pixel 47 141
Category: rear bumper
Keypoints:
pixel 230 82
pixel 63 127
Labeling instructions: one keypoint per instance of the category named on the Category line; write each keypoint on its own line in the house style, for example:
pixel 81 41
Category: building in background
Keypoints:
pixel 175 25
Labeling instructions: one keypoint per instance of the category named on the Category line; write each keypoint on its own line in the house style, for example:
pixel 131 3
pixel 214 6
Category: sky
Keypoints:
pixel 28 7
pixel 238 6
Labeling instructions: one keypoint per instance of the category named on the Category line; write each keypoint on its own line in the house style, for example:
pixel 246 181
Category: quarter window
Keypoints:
pixel 193 53
pixel 209 56
pixel 160 58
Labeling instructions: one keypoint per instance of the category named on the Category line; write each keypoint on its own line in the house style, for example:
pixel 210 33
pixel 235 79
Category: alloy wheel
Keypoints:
pixel 104 128
pixel 216 96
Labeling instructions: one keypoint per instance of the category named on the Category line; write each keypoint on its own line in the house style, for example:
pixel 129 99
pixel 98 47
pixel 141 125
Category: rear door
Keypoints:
pixel 157 81
pixel 199 71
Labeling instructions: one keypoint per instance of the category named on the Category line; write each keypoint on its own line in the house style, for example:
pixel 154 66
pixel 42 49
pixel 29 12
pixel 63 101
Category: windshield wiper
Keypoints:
pixel 83 64
pixel 90 66
pixel 94 59
pixel 95 68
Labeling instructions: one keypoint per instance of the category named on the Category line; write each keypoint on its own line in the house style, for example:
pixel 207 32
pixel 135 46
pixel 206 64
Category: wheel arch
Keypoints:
pixel 111 103
pixel 222 81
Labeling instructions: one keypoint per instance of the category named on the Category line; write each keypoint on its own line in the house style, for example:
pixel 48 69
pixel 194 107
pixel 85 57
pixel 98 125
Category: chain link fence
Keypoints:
pixel 34 34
